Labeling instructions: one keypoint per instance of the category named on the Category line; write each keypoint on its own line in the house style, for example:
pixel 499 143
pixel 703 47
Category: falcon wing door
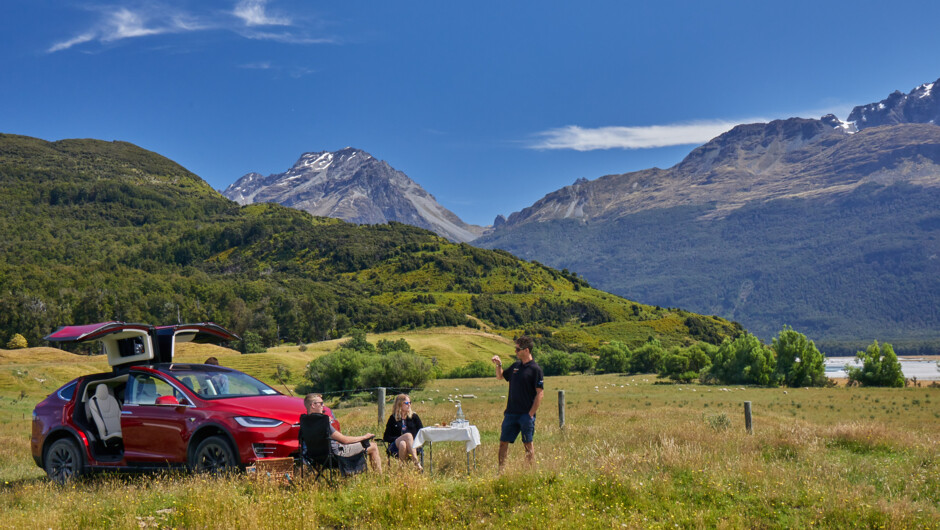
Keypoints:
pixel 123 343
pixel 201 333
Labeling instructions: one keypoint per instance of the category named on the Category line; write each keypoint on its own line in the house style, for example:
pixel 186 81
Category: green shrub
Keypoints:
pixel 799 363
pixel 398 369
pixel 686 366
pixel 582 362
pixel 357 364
pixel 648 358
pixel 613 358
pixel 251 343
pixel 385 347
pixel 743 361
pixel 555 362
pixel 880 367
pixel 357 342
pixel 471 370
pixel 339 370
pixel 16 342
pixel 719 422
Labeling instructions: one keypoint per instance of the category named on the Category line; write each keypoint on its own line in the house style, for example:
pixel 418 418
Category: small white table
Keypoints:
pixel 467 433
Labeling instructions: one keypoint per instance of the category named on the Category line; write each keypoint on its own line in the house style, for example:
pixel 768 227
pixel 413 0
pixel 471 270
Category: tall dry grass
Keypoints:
pixel 632 454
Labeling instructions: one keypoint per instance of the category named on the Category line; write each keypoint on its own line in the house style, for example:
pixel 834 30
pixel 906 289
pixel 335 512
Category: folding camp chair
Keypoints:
pixel 316 451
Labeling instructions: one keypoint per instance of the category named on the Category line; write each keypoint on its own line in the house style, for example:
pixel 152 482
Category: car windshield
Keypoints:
pixel 214 384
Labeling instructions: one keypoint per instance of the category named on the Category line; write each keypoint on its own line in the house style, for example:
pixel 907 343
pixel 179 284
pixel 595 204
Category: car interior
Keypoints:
pixel 99 416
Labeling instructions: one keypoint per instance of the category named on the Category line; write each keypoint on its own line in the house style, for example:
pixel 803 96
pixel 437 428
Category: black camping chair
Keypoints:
pixel 315 449
pixel 317 453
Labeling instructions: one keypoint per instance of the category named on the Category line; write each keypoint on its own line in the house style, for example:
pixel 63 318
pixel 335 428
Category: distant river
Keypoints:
pixel 922 370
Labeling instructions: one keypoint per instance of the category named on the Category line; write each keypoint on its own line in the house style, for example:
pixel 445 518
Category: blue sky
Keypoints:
pixel 487 105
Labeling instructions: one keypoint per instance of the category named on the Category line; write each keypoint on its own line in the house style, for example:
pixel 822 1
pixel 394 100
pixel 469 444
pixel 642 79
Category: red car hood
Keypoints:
pixel 279 407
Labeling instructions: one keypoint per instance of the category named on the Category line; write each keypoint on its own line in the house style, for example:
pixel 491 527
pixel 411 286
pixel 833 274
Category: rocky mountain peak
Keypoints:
pixel 352 185
pixel 920 105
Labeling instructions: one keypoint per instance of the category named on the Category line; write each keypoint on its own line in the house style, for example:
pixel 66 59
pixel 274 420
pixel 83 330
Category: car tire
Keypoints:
pixel 63 461
pixel 213 455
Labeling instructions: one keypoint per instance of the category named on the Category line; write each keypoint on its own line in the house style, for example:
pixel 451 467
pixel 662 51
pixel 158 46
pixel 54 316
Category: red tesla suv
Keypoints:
pixel 150 412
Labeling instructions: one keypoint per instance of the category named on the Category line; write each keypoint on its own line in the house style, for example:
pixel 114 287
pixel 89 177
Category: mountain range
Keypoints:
pixel 825 225
pixel 828 226
pixel 352 185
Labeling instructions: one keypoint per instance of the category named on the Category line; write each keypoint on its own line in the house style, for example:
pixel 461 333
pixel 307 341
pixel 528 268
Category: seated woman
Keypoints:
pixel 400 431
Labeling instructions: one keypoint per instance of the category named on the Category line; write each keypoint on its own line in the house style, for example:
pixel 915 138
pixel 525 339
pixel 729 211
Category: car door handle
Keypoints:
pixel 127 412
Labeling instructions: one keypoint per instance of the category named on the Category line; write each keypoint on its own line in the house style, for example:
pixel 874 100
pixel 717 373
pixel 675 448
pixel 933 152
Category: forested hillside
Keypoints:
pixel 845 269
pixel 93 231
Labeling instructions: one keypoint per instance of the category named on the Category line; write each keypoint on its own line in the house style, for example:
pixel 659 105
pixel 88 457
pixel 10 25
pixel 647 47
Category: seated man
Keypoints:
pixel 342 445
pixel 219 381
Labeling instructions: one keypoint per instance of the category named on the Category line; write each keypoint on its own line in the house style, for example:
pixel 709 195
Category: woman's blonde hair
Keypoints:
pixel 399 404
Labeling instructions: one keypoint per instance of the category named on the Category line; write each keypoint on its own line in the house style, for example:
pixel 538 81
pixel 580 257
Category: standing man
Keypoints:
pixel 526 386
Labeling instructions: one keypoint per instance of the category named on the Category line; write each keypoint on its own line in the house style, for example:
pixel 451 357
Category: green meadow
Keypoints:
pixel 633 453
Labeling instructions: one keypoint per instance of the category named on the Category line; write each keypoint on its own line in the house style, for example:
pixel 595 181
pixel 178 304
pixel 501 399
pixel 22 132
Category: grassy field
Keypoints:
pixel 632 454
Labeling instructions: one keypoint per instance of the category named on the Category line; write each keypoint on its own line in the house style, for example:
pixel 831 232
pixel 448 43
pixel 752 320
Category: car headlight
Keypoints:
pixel 252 421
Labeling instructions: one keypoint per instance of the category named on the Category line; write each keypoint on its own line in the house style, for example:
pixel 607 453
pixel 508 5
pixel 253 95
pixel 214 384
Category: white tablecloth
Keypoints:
pixel 470 434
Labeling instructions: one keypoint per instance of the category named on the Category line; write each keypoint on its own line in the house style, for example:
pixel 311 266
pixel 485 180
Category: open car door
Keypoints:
pixel 128 344
pixel 201 333
pixel 123 343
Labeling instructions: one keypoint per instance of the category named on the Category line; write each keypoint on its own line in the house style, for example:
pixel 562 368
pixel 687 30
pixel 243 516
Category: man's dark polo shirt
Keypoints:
pixel 523 379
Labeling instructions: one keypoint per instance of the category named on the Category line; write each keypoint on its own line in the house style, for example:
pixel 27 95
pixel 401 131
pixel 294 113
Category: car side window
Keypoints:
pixel 67 391
pixel 144 389
pixel 237 386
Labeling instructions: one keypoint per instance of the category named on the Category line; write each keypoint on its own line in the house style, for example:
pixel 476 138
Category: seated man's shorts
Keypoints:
pixel 350 449
pixel 513 424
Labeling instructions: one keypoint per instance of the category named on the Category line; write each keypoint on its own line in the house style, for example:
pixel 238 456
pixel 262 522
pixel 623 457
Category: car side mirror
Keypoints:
pixel 167 400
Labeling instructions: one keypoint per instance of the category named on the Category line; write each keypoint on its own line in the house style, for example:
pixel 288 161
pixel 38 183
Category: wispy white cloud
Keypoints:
pixel 74 41
pixel 295 72
pixel 126 24
pixel 253 13
pixel 263 65
pixel 119 22
pixel 590 139
pixel 301 71
pixel 285 37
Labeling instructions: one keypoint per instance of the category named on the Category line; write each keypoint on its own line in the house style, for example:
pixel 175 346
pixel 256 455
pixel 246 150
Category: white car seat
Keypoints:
pixel 105 410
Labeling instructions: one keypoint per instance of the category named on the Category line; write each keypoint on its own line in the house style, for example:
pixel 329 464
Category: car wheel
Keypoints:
pixel 63 462
pixel 213 455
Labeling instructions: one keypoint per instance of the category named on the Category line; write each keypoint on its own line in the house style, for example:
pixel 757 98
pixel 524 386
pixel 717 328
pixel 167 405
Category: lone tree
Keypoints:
pixel 799 363
pixel 880 367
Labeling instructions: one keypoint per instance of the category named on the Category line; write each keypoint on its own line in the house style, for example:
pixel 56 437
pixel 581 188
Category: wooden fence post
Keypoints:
pixel 747 417
pixel 561 409
pixel 381 405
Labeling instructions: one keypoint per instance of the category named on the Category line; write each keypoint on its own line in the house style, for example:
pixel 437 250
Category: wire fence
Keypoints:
pixel 374 391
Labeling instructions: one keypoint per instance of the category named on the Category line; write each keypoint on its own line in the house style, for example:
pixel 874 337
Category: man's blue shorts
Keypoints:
pixel 513 424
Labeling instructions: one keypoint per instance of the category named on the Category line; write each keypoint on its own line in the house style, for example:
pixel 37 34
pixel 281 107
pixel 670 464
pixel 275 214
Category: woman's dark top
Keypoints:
pixel 394 429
